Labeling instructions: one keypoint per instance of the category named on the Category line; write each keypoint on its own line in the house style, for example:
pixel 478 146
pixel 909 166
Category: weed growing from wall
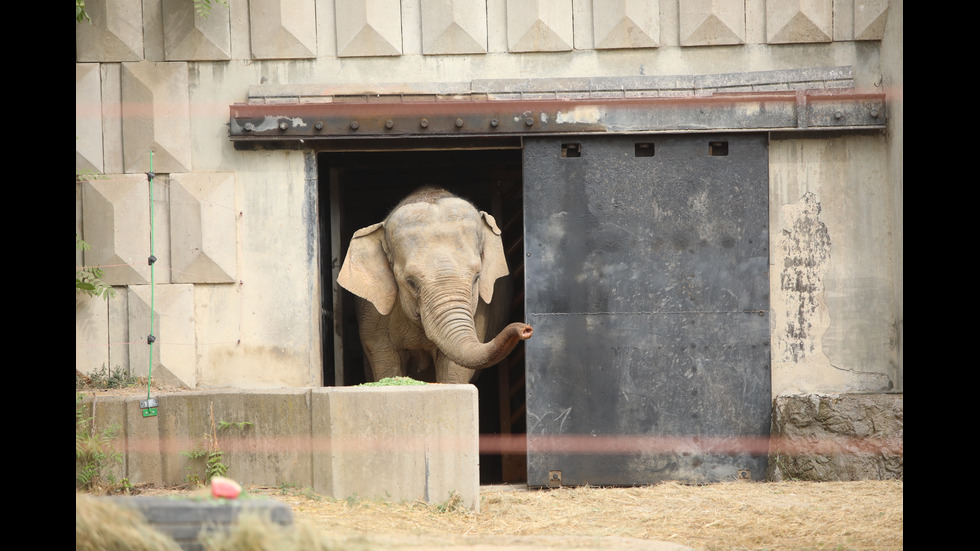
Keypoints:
pixel 209 452
pixel 94 453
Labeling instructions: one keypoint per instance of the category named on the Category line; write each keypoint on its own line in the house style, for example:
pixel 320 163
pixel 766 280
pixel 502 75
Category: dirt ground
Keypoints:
pixel 866 515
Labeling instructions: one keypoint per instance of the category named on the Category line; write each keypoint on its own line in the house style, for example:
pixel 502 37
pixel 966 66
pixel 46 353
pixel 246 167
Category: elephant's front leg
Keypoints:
pixel 381 356
pixel 384 361
pixel 449 372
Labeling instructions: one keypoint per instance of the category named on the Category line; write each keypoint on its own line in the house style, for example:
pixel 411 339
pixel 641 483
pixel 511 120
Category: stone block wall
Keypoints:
pixel 821 437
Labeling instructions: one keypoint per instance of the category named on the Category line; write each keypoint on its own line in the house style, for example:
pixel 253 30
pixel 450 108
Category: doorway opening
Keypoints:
pixel 359 188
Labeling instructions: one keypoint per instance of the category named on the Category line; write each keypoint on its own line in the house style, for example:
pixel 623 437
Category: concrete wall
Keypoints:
pixel 396 442
pixel 237 300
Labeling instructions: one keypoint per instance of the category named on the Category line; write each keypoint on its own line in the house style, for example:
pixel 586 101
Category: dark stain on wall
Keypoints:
pixel 806 250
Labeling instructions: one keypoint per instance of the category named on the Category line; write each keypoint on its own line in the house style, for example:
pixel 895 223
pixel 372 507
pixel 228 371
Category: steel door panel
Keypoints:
pixel 647 286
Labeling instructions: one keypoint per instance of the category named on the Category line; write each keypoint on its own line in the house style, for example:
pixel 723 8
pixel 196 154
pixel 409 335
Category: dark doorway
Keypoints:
pixel 359 188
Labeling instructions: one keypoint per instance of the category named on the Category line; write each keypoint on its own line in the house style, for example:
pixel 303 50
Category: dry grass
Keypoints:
pixel 737 515
pixel 865 515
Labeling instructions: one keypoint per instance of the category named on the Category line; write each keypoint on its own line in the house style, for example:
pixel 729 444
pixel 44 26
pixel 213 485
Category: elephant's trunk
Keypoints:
pixel 449 324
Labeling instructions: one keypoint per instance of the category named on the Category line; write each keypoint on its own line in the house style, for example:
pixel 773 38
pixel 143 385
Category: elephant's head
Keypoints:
pixel 434 257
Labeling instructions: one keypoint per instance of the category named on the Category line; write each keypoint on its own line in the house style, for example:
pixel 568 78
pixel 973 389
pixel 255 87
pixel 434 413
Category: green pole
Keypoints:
pixel 149 407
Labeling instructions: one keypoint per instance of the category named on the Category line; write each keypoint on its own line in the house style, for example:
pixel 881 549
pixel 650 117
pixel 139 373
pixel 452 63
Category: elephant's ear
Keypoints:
pixel 494 260
pixel 366 271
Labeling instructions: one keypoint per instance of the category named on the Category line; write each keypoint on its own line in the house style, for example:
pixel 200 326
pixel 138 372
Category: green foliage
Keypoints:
pixel 89 280
pixel 103 378
pixel 395 381
pixel 242 425
pixel 210 452
pixel 203 7
pixel 213 464
pixel 452 505
pixel 80 14
pixel 94 452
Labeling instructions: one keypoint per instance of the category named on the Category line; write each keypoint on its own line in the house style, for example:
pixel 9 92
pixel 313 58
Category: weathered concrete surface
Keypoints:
pixel 398 443
pixel 395 443
pixel 837 437
pixel 835 299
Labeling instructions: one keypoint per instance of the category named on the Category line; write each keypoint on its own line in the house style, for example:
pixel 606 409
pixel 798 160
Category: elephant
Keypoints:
pixel 418 278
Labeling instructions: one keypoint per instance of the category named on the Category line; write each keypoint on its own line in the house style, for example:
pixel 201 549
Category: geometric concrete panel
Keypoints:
pixel 112 142
pixel 712 22
pixel 174 350
pixel 114 34
pixel 116 224
pixel 799 21
pixel 398 443
pixel 869 19
pixel 626 24
pixel 454 27
pixel 369 28
pixel 156 117
pixel 203 236
pixel 88 118
pixel 91 333
pixel 282 29
pixel 119 331
pixel 187 36
pixel 539 25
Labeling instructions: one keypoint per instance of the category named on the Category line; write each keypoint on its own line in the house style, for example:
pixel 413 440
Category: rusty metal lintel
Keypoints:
pixel 777 111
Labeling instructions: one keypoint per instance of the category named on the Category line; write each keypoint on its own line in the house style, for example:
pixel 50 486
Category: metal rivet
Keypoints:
pixel 494 123
pixel 389 124
pixel 874 112
pixel 424 123
pixel 354 125
pixel 318 125
pixel 459 123
pixel 838 115
pixel 529 121
pixel 283 125
pixel 249 127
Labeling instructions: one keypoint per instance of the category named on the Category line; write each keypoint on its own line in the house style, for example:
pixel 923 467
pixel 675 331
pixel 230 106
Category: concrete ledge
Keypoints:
pixel 395 443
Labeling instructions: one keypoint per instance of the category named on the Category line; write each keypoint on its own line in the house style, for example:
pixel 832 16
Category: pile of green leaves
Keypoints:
pixel 396 381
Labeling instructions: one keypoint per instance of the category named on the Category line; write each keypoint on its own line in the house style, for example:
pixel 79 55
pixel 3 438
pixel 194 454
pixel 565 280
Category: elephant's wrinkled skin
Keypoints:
pixel 419 276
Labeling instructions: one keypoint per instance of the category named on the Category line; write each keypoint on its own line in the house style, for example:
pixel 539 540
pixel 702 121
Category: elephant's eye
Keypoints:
pixel 412 284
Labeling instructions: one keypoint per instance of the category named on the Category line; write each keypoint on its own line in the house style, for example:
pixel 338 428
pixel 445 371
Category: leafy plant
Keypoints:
pixel 203 7
pixel 80 14
pixel 242 425
pixel 210 451
pixel 213 464
pixel 103 378
pixel 89 279
pixel 452 505
pixel 94 452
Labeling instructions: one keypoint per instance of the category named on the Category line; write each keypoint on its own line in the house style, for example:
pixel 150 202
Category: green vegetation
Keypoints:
pixel 452 505
pixel 210 453
pixel 95 454
pixel 89 280
pixel 203 7
pixel 103 378
pixel 396 381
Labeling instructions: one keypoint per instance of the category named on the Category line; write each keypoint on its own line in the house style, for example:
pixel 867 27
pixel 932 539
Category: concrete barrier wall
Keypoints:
pixel 396 443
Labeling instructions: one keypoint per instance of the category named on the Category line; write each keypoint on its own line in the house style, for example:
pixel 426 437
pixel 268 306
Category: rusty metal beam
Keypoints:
pixel 480 117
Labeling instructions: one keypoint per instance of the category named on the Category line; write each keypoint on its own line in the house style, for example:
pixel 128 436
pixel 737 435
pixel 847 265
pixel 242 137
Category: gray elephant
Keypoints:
pixel 419 277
